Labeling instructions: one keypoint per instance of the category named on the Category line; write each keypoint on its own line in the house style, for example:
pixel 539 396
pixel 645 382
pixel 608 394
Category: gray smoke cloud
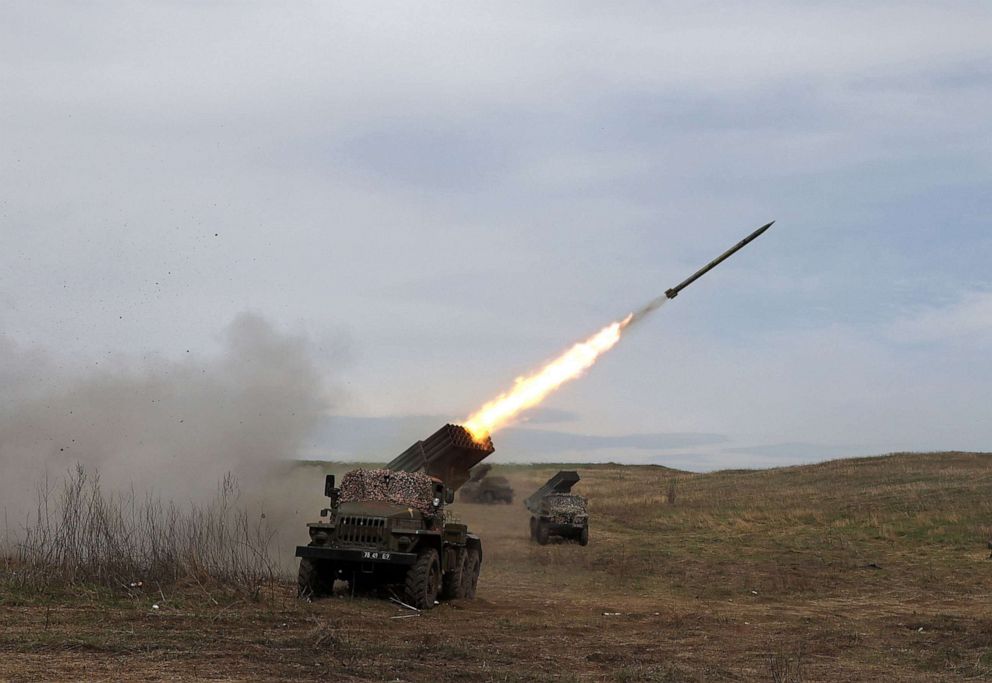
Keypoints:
pixel 173 428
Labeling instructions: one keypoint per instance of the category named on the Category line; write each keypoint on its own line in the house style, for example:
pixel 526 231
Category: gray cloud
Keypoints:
pixel 461 192
pixel 798 452
pixel 382 438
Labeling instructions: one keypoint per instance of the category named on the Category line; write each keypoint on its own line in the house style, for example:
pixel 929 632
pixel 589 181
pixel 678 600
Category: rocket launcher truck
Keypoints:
pixel 556 511
pixel 387 527
pixel 486 489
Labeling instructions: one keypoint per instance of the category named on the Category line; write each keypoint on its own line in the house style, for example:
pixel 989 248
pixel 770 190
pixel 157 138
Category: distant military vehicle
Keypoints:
pixel 387 527
pixel 556 511
pixel 481 488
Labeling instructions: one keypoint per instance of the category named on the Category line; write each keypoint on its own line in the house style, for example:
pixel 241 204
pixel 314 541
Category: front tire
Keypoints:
pixel 584 536
pixel 543 534
pixel 315 579
pixel 423 580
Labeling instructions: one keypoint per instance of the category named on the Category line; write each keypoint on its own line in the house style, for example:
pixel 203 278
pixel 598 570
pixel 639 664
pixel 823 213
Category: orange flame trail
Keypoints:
pixel 529 391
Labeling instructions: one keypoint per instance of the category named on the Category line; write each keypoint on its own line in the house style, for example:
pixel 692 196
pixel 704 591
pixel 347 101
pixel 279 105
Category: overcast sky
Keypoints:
pixel 443 196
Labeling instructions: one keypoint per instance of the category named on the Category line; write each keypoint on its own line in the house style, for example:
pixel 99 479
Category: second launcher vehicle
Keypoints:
pixel 486 489
pixel 556 511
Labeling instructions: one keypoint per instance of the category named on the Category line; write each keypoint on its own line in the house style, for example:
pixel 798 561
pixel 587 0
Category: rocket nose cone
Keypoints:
pixel 757 233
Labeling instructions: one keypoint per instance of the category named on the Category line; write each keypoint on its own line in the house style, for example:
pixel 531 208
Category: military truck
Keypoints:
pixel 388 528
pixel 482 488
pixel 556 511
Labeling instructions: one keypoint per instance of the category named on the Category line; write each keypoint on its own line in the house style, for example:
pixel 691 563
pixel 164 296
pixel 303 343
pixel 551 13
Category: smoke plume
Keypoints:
pixel 172 428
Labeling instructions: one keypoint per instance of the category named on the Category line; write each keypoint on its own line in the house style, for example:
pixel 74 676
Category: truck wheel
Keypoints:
pixel 470 577
pixel 533 529
pixel 542 533
pixel 451 585
pixel 488 498
pixel 584 536
pixel 315 579
pixel 423 580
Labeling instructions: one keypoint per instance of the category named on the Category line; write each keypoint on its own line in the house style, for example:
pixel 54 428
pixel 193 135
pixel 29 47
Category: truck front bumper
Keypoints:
pixel 349 555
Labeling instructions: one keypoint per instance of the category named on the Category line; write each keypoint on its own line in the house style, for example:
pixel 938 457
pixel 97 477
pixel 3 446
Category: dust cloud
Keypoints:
pixel 169 428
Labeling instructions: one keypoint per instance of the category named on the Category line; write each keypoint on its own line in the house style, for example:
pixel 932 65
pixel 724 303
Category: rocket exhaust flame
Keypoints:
pixel 529 391
pixel 532 389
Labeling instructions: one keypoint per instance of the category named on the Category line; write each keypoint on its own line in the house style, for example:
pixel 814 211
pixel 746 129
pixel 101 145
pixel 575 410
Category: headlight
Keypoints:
pixel 319 536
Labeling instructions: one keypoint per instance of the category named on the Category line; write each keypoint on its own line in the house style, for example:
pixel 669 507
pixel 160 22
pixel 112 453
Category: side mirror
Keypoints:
pixel 329 486
pixel 449 496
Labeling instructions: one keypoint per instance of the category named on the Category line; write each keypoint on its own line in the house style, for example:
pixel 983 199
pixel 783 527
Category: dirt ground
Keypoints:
pixel 863 570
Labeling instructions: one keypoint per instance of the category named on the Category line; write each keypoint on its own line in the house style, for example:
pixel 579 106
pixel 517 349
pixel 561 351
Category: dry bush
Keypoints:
pixel 87 535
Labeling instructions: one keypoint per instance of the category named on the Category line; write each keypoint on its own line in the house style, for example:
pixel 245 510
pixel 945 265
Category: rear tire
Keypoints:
pixel 584 536
pixel 315 580
pixel 470 577
pixel 533 529
pixel 452 584
pixel 542 533
pixel 423 580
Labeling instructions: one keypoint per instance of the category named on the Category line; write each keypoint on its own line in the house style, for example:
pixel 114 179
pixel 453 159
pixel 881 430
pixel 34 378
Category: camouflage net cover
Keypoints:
pixel 563 508
pixel 409 489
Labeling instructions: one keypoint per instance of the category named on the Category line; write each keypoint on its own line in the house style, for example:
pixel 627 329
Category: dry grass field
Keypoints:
pixel 872 569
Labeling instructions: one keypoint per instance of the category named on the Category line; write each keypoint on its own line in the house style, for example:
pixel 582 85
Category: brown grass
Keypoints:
pixel 84 535
pixel 869 569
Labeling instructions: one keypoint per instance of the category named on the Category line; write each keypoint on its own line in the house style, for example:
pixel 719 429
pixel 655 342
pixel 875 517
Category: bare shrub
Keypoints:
pixel 87 535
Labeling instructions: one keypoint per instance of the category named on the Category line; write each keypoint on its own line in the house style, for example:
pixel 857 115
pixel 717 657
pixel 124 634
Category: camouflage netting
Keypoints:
pixel 410 489
pixel 564 507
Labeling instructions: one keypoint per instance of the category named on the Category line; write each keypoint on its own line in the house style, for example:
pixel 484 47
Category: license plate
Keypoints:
pixel 369 555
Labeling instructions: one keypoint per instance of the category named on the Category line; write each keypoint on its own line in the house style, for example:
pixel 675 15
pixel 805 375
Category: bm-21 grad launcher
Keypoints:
pixel 387 527
pixel 556 511
pixel 486 489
